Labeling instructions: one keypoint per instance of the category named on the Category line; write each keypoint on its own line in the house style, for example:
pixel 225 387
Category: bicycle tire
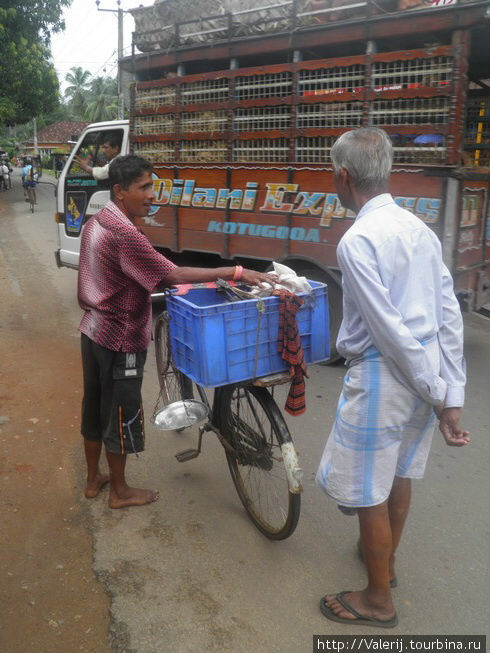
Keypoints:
pixel 251 422
pixel 174 385
pixel 31 198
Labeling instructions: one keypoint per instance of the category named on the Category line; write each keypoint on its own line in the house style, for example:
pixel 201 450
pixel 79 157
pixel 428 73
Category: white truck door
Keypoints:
pixel 80 195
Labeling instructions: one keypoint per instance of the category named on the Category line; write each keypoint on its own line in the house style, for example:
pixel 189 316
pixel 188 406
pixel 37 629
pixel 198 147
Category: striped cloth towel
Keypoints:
pixel 289 346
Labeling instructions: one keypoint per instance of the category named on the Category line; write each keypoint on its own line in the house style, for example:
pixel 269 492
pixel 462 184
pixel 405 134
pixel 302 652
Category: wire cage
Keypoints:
pixel 209 90
pixel 314 149
pixel 154 124
pixel 263 150
pixel 410 111
pixel 261 119
pixel 405 150
pixel 154 97
pixel 339 79
pixel 412 73
pixel 203 121
pixel 252 87
pixel 329 114
pixel 203 151
pixel 155 151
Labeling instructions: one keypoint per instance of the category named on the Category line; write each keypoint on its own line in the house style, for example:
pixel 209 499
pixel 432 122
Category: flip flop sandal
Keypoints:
pixel 393 581
pixel 359 620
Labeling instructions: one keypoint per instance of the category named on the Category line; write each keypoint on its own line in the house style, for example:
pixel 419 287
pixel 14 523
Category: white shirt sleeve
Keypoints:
pixel 451 344
pixel 101 172
pixel 403 353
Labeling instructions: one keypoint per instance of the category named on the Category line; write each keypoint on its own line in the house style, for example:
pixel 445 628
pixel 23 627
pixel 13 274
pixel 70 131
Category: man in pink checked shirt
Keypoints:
pixel 118 270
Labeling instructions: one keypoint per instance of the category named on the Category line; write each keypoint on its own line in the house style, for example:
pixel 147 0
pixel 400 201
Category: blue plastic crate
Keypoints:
pixel 214 341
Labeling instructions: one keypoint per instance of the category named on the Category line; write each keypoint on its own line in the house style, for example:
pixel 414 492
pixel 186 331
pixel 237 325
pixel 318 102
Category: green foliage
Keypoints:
pixel 102 104
pixel 76 93
pixel 62 112
pixel 47 162
pixel 35 19
pixel 8 144
pixel 28 83
pixel 93 99
pixel 12 138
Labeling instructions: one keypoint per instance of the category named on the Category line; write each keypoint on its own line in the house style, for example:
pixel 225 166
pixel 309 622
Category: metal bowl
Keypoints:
pixel 180 415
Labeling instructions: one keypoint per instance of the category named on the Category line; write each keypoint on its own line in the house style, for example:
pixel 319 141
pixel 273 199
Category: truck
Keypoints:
pixel 237 109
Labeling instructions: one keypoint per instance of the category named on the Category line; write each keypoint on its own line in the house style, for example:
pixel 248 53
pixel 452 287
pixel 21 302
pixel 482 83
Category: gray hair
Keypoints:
pixel 367 155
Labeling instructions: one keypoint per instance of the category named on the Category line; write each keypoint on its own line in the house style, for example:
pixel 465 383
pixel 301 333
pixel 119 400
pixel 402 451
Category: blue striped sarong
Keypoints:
pixel 381 430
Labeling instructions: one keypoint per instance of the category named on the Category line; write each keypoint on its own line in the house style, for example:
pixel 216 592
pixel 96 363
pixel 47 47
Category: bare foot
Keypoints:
pixel 132 496
pixel 358 600
pixel 94 487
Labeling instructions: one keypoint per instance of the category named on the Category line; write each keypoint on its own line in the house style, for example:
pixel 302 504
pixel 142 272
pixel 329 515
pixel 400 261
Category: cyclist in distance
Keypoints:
pixel 29 178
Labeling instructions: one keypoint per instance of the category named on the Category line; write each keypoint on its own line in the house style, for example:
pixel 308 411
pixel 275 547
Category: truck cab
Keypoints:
pixel 80 195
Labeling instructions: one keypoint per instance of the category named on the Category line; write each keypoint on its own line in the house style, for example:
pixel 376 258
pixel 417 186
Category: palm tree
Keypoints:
pixel 76 93
pixel 102 103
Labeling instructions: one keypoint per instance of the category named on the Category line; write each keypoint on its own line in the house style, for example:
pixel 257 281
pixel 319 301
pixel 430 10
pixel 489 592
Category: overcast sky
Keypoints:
pixel 90 37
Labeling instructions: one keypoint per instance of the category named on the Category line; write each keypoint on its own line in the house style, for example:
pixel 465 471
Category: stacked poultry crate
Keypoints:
pixel 415 115
pixel 292 113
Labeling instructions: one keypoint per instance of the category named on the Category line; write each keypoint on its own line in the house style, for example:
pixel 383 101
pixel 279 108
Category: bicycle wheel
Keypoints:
pixel 30 191
pixel 174 385
pixel 249 419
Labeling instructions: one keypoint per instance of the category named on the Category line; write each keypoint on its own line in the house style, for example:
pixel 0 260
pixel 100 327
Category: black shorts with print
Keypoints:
pixel 112 409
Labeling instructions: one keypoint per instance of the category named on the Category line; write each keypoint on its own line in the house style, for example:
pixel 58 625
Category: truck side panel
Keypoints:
pixel 269 214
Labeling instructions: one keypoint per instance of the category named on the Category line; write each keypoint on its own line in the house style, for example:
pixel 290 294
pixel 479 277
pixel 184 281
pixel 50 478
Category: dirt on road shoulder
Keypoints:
pixel 51 601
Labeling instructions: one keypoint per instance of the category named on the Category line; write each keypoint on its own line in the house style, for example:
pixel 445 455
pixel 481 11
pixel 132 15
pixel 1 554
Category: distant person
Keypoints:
pixel 9 166
pixel 118 270
pixel 5 175
pixel 29 179
pixel 402 337
pixel 58 166
pixel 111 148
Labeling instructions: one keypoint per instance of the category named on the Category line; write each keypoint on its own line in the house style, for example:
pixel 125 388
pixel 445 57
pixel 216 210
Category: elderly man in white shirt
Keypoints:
pixel 402 337
pixel 111 148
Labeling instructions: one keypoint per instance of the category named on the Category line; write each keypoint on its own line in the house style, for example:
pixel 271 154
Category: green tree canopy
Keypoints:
pixel 76 93
pixel 102 104
pixel 28 82
pixel 91 98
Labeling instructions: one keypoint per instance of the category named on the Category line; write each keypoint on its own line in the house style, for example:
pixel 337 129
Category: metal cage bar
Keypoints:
pixel 203 151
pixel 331 114
pixel 261 119
pixel 262 150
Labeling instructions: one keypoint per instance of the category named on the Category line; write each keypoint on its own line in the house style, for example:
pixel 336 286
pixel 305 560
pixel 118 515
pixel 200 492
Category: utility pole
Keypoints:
pixel 36 152
pixel 120 15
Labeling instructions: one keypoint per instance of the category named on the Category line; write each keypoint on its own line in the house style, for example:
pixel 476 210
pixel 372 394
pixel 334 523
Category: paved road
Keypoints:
pixel 190 572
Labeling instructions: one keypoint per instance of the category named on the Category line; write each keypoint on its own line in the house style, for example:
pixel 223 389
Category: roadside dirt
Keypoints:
pixel 51 601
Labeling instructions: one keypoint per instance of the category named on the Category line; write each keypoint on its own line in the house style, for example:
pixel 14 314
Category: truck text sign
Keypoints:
pixel 273 198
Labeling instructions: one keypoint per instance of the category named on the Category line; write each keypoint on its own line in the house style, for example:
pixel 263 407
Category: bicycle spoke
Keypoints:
pixel 251 422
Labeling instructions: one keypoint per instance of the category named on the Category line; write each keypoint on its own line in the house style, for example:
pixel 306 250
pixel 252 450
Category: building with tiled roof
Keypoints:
pixel 55 137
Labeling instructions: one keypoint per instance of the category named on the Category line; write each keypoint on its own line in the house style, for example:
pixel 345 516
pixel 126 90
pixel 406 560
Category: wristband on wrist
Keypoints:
pixel 238 272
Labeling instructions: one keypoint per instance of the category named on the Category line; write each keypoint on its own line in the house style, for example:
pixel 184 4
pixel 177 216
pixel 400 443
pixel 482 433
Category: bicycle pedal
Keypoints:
pixel 187 454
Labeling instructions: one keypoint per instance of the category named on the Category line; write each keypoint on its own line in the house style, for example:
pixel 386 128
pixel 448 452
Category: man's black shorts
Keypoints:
pixel 112 409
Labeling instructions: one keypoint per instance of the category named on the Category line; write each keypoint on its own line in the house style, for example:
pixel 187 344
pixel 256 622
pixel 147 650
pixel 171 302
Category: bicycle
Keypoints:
pixel 31 197
pixel 259 450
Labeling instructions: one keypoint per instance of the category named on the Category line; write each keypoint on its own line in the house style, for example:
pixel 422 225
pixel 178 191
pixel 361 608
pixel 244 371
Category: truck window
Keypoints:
pixel 90 150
